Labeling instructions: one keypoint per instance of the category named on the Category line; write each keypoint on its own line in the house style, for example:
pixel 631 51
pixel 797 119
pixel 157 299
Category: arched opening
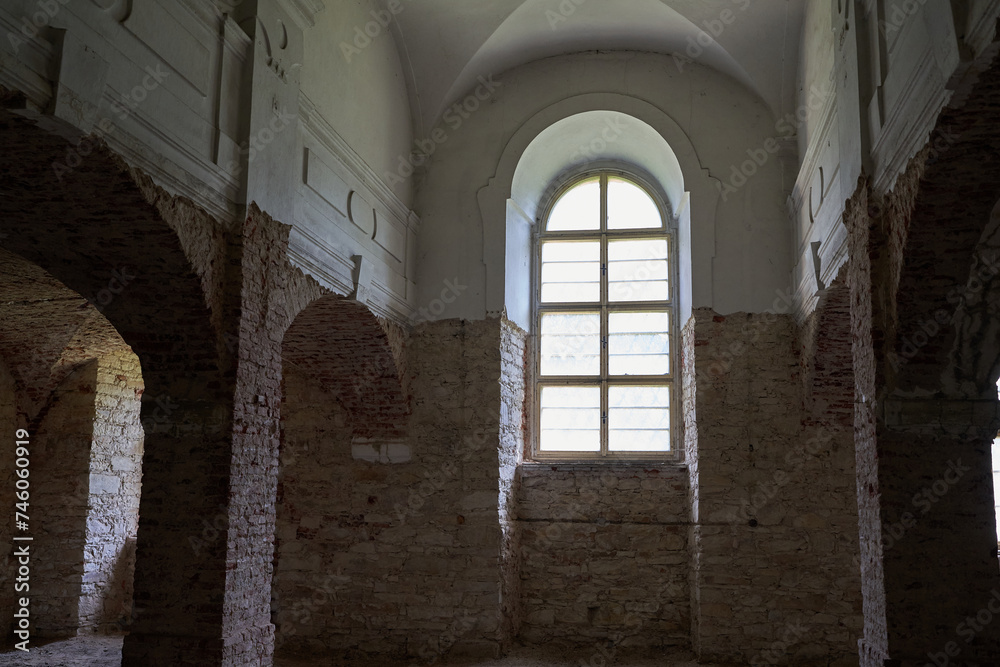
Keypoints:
pixel 924 295
pixel 594 131
pixel 577 143
pixel 72 387
pixel 345 464
pixel 89 227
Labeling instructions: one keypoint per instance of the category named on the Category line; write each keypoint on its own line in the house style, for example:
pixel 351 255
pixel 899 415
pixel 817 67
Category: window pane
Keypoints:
pixel 578 209
pixel 639 343
pixel 571 344
pixel 639 419
pixel 638 270
pixel 570 419
pixel 629 207
pixel 571 271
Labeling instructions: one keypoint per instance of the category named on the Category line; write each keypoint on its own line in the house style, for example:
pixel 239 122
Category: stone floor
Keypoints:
pixel 106 652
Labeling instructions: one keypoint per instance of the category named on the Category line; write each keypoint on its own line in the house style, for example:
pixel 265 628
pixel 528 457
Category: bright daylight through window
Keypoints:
pixel 605 321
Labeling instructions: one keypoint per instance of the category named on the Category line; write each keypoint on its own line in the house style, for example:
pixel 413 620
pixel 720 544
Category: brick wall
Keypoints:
pixel 604 552
pixel 60 469
pixel 86 471
pixel 924 291
pixel 409 551
pixel 774 545
pixel 514 414
pixel 115 483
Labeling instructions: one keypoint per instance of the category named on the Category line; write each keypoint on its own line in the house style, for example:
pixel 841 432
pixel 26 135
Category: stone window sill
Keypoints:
pixel 597 467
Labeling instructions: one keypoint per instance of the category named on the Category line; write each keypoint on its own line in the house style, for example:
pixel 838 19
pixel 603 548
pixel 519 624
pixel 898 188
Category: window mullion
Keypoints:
pixel 604 316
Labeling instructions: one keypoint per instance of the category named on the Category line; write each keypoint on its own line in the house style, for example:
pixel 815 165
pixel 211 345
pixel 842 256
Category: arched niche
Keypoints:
pixel 593 130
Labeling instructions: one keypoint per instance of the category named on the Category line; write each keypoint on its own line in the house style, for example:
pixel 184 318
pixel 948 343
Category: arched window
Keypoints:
pixel 604 303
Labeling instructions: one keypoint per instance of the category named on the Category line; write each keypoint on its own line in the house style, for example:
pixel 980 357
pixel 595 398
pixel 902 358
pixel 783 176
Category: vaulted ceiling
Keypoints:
pixel 446 45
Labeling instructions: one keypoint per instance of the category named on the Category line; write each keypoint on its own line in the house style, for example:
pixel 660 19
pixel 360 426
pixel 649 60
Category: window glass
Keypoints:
pixel 629 207
pixel 571 344
pixel 571 271
pixel 638 419
pixel 570 419
pixel 638 270
pixel 639 343
pixel 604 327
pixel 579 209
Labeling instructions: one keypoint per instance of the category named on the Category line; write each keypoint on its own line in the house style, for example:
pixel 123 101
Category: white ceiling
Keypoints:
pixel 446 45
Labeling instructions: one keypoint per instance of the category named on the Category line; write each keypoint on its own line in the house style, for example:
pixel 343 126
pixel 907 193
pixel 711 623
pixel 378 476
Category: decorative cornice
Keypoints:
pixel 186 161
pixel 320 128
pixel 984 32
pixel 334 270
pixel 811 160
pixel 303 11
pixel 906 128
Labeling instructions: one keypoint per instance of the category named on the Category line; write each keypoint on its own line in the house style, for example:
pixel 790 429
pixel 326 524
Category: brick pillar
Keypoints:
pixel 206 531
pixel 941 594
pixel 180 572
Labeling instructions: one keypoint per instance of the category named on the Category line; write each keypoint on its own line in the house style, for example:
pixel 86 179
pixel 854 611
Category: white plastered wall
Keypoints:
pixel 740 250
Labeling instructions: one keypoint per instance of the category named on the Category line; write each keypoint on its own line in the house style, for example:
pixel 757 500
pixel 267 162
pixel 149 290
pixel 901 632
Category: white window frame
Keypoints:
pixel 668 231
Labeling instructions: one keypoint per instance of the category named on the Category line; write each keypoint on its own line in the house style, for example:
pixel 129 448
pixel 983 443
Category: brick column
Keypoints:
pixel 206 531
pixel 937 543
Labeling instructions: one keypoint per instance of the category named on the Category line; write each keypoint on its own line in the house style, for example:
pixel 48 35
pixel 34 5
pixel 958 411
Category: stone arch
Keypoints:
pixel 76 388
pixel 356 358
pixel 76 210
pixel 345 406
pixel 922 285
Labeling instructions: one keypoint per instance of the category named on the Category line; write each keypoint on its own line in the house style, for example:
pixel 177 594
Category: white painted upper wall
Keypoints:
pixel 356 81
pixel 744 234
pixel 356 77
pixel 450 43
pixel 889 64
